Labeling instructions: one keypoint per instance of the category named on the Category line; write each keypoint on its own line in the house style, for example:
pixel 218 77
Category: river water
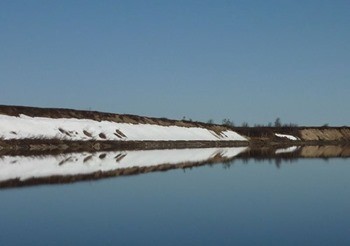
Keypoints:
pixel 231 201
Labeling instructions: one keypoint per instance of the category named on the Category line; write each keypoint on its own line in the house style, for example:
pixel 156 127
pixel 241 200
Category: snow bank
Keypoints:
pixel 24 167
pixel 290 137
pixel 22 127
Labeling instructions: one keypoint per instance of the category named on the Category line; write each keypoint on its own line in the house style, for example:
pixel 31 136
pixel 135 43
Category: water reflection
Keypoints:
pixel 26 170
pixel 287 150
pixel 314 151
pixel 17 170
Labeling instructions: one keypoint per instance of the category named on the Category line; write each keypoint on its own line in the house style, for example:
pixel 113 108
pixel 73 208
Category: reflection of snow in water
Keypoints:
pixel 287 150
pixel 25 167
pixel 290 137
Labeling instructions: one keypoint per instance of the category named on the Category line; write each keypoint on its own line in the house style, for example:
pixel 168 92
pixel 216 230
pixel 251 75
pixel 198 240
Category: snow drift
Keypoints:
pixel 25 127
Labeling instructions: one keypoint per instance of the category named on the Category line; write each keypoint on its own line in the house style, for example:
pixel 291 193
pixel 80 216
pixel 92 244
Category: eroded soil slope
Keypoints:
pixel 325 134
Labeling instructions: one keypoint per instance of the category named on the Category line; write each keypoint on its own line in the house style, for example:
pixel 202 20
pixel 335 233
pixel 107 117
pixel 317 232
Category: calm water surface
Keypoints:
pixel 301 203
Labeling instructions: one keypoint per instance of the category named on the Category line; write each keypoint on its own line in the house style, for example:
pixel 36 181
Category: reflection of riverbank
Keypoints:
pixel 287 150
pixel 325 151
pixel 314 151
pixel 21 170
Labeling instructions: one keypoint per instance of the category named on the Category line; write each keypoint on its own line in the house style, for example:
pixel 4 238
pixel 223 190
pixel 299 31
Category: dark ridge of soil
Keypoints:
pixel 56 146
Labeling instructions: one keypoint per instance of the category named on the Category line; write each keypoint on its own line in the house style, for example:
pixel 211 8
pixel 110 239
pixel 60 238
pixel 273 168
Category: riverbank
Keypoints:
pixel 50 130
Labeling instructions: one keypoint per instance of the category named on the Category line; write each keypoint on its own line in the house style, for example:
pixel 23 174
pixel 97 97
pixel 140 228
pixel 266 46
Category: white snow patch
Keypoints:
pixel 22 127
pixel 24 167
pixel 286 136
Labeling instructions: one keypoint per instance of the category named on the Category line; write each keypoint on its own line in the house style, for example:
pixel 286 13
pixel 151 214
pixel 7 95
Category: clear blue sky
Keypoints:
pixel 244 60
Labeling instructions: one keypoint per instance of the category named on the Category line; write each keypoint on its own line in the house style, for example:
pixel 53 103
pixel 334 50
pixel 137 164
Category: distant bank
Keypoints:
pixel 54 129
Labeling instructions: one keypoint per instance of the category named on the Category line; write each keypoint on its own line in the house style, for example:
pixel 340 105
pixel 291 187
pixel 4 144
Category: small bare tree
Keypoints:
pixel 210 121
pixel 245 124
pixel 227 122
pixel 278 122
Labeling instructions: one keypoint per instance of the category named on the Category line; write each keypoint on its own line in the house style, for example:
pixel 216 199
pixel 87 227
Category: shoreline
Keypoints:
pixel 57 146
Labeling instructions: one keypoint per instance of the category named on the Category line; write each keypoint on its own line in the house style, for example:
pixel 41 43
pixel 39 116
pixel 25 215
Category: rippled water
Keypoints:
pixel 242 202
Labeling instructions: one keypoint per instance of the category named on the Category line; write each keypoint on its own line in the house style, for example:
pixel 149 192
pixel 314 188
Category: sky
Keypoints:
pixel 248 61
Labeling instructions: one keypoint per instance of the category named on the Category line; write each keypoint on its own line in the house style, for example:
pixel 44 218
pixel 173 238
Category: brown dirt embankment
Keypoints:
pixel 307 135
pixel 325 134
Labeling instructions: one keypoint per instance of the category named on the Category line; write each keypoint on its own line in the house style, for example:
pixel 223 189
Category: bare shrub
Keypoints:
pixel 227 122
pixel 87 133
pixel 119 132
